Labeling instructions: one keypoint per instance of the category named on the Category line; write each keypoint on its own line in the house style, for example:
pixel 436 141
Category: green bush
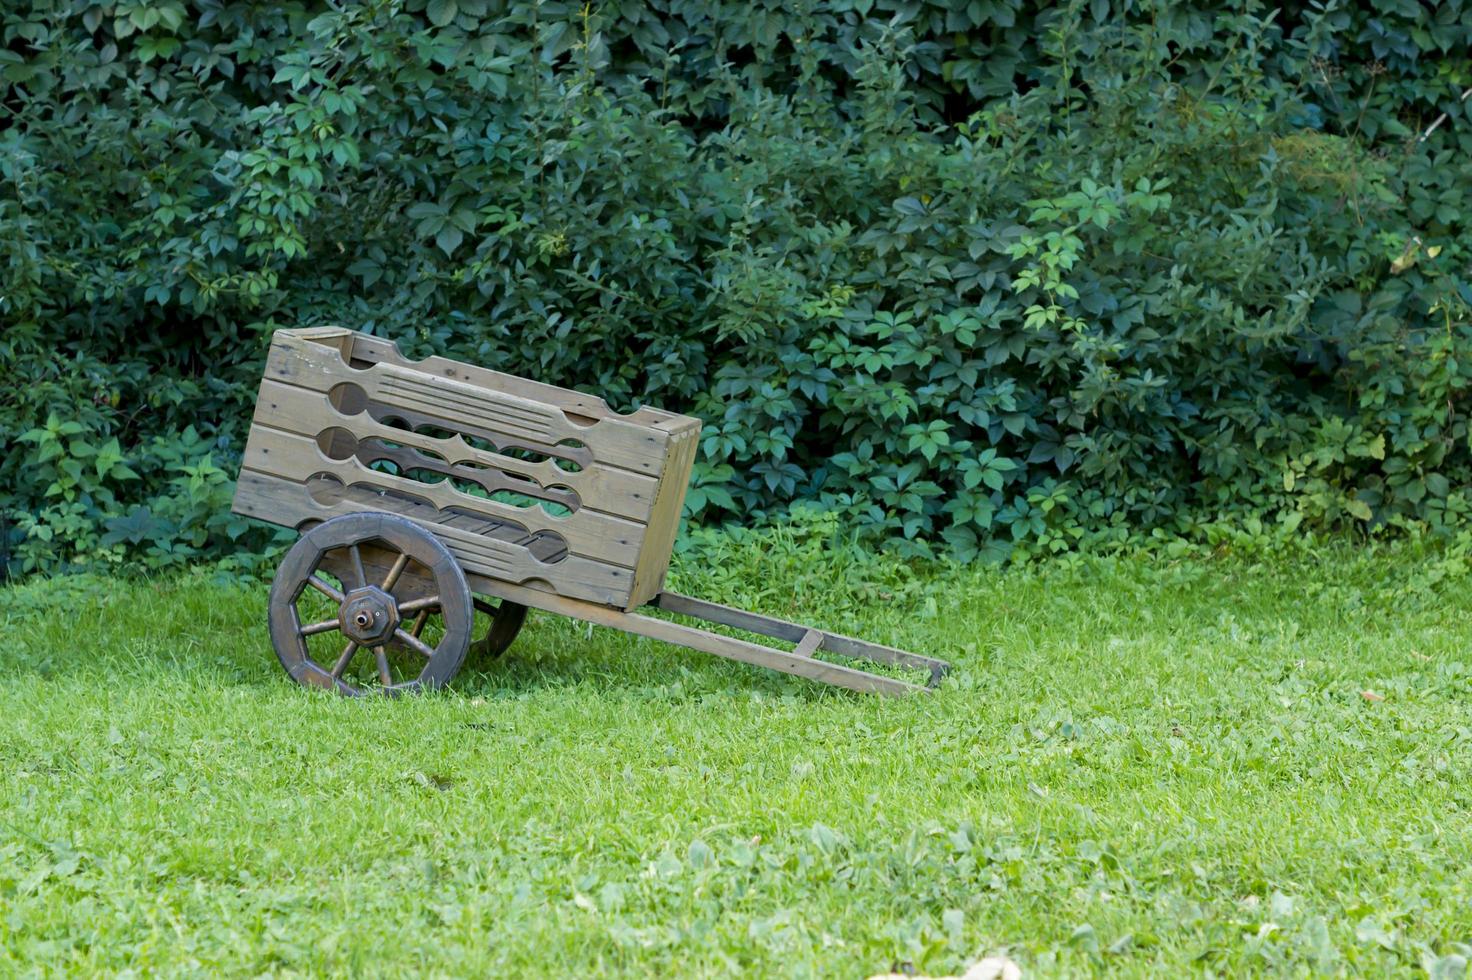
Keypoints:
pixel 975 277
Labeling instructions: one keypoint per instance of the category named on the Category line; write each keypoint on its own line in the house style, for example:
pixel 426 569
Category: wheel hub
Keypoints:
pixel 368 615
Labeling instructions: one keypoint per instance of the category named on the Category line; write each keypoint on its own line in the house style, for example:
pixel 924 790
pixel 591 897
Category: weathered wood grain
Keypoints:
pixel 613 441
pixel 413 583
pixel 664 520
pixel 602 488
pixel 698 639
pixel 331 389
pixel 374 350
pixel 280 501
pixel 589 533
pixel 781 629
pixel 408 460
pixel 809 644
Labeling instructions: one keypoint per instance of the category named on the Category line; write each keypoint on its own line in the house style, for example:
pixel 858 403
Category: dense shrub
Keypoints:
pixel 976 276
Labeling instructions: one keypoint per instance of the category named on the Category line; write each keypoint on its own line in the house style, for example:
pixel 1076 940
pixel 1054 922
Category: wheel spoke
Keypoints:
pixel 383 674
pixel 326 626
pixel 357 557
pixel 390 580
pixel 419 621
pixel 320 584
pixel 418 605
pixel 344 659
pixel 410 640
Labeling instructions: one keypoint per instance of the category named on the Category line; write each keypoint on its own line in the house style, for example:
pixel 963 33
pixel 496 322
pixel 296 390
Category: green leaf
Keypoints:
pixel 449 239
pixel 441 12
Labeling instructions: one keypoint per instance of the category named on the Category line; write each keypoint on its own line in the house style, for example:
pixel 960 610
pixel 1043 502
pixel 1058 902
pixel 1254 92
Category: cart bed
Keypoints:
pixel 526 483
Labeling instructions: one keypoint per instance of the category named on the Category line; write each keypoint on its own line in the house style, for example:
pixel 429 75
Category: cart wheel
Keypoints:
pixel 506 620
pixel 369 610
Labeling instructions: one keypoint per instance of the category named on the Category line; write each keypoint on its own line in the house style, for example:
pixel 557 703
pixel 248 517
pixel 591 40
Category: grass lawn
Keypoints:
pixel 1138 766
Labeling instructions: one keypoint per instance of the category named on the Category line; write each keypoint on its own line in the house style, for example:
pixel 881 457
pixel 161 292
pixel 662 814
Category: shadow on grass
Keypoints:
pixel 121 633
pixel 550 655
pixel 553 654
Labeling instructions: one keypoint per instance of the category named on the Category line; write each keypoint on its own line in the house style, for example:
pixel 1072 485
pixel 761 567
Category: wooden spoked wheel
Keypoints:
pixel 370 603
pixel 506 620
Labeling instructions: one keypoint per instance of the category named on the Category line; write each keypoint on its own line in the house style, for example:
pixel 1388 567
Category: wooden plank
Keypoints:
pixel 338 338
pixel 280 501
pixel 606 489
pixel 379 350
pixel 698 639
pixel 590 534
pixel 664 519
pixel 809 644
pixel 848 646
pixel 574 453
pixel 542 547
pixel 781 629
pixel 711 612
pixel 613 441
pixel 328 335
pixel 407 458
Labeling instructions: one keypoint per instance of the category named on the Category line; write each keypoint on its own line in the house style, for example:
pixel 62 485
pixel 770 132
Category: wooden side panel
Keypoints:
pixel 602 488
pixel 664 522
pixel 376 349
pixel 607 525
pixel 280 501
pixel 297 459
pixel 517 420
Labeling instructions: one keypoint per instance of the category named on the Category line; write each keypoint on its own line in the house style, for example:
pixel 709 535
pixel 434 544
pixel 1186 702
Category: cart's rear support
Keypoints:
pixel 799 661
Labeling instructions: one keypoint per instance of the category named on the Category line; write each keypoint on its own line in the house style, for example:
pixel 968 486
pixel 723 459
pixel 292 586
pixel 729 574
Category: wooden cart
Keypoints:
pixel 426 489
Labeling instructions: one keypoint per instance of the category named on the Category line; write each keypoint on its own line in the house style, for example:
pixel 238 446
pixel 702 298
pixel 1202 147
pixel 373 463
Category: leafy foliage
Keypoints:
pixel 983 278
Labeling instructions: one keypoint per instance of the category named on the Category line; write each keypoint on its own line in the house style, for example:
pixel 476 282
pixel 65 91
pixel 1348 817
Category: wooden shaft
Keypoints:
pixel 781 629
pixel 705 641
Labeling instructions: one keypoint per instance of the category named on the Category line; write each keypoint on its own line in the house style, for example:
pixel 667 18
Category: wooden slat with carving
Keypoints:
pixel 409 460
pixel 601 488
pixel 296 458
pixel 372 350
pixel 280 501
pixel 613 441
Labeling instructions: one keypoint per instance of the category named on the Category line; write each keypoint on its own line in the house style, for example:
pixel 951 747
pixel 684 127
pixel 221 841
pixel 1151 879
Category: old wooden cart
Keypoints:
pixel 426 489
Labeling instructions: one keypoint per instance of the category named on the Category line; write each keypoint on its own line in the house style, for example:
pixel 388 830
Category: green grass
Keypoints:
pixel 1137 766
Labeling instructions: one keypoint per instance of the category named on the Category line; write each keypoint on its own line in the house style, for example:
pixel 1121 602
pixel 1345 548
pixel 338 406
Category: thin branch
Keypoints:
pixel 1441 119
